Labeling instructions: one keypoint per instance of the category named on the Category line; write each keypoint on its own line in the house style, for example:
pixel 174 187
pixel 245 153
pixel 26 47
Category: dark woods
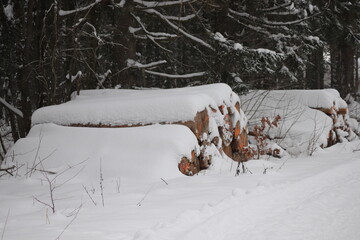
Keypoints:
pixel 50 49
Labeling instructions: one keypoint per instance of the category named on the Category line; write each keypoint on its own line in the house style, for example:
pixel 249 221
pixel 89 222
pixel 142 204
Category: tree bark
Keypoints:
pixel 27 70
pixel 348 63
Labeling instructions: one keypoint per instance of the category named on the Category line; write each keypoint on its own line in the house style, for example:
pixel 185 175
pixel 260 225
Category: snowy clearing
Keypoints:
pixel 298 198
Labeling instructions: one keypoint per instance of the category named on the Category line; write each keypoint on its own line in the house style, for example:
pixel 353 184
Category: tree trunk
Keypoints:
pixel 357 71
pixel 348 63
pixel 335 64
pixel 315 70
pixel 27 70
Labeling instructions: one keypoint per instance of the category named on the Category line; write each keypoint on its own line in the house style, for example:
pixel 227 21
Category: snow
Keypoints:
pixel 74 77
pixel 298 198
pixel 143 194
pixel 219 37
pixel 326 98
pixel 189 75
pixel 142 153
pixel 127 107
pixel 135 64
pixel 179 18
pixel 265 51
pixel 121 3
pixel 238 46
pixel 301 129
pixel 354 107
pixel 9 11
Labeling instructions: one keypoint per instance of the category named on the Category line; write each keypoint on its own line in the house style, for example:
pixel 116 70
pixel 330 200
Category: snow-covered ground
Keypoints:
pixel 314 197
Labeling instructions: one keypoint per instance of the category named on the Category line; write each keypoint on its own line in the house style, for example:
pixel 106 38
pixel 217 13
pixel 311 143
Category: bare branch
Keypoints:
pixel 7 170
pixel 6 220
pixel 72 220
pixel 87 192
pixel 13 109
pixel 67 12
pixel 177 28
pixel 275 7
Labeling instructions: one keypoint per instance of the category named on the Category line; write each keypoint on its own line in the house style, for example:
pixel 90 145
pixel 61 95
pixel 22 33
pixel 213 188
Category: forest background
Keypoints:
pixel 52 48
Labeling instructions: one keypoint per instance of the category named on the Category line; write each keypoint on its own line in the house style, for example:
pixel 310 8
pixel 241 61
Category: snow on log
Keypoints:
pixel 309 118
pixel 151 152
pixel 211 112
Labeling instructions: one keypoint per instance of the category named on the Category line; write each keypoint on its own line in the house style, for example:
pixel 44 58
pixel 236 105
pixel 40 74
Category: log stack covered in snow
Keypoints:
pixel 309 118
pixel 211 112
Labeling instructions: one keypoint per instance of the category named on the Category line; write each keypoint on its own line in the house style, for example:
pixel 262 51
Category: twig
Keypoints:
pixel 101 185
pixel 72 220
pixel 6 220
pixel 118 182
pixel 7 170
pixel 33 168
pixel 89 195
pixel 282 164
pixel 164 181
pixel 148 191
pixel 52 184
pixel 37 153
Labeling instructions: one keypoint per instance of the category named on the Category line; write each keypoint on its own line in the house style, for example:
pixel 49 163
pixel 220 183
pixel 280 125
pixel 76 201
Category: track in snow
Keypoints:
pixel 324 206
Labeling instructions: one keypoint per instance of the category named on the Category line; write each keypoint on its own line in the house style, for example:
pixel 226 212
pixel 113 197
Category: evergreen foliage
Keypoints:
pixel 52 48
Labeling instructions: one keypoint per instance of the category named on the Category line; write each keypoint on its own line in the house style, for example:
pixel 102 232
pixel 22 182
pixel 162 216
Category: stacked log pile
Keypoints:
pixel 211 112
pixel 320 115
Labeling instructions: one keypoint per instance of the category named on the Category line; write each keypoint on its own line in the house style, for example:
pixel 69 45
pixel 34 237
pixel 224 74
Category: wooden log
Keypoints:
pixel 188 166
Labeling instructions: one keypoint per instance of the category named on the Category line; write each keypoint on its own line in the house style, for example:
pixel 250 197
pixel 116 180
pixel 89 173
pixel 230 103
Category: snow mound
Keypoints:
pixel 118 107
pixel 143 153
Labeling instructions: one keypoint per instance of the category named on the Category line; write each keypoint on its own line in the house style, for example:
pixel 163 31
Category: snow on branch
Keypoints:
pixel 121 4
pixel 155 34
pixel 177 28
pixel 181 19
pixel 72 78
pixel 11 108
pixel 275 7
pixel 68 12
pixel 134 64
pixel 189 75
pixel 157 44
pixel 254 28
pixel 151 4
pixel 269 23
